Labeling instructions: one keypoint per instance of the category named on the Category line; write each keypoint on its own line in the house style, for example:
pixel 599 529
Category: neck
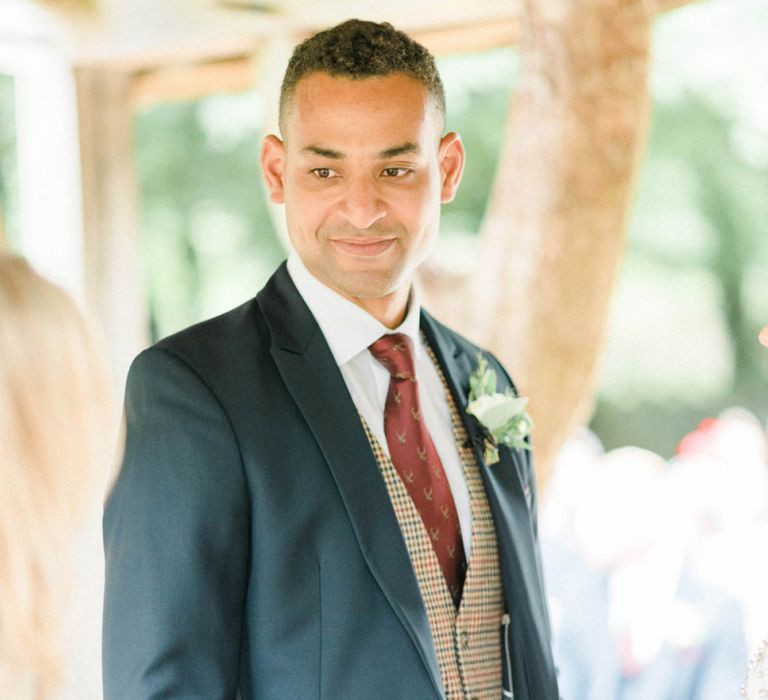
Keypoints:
pixel 389 310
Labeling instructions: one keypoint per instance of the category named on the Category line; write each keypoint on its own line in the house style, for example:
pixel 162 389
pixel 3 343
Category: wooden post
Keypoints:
pixel 48 161
pixel 113 269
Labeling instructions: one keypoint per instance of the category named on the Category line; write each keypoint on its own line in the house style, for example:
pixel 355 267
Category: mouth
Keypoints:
pixel 363 247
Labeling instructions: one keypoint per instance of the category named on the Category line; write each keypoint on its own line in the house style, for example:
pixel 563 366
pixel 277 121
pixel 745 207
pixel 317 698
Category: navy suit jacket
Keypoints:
pixel 251 547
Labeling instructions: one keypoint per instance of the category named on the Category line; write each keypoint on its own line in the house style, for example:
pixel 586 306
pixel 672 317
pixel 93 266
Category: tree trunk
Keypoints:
pixel 554 233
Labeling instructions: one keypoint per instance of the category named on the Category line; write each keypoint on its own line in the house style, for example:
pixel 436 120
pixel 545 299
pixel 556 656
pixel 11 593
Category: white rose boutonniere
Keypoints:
pixel 503 416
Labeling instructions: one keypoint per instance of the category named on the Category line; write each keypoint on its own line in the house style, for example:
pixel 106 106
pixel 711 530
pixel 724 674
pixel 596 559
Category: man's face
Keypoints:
pixel 362 173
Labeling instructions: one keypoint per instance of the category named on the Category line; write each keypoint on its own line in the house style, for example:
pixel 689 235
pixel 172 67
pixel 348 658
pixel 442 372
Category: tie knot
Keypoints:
pixel 394 352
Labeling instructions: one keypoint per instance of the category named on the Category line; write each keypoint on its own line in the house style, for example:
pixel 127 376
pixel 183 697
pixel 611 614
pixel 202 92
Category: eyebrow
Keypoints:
pixel 402 149
pixel 407 147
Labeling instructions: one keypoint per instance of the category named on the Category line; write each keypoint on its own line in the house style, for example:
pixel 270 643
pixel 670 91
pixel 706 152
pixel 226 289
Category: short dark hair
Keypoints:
pixel 358 49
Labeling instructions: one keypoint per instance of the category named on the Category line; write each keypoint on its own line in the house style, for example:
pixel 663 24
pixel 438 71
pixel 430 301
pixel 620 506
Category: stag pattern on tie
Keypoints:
pixel 416 460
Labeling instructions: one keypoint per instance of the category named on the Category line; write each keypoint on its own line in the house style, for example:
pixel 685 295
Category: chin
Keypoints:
pixel 371 285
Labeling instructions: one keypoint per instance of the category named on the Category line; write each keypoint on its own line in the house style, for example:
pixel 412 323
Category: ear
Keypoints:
pixel 451 156
pixel 273 167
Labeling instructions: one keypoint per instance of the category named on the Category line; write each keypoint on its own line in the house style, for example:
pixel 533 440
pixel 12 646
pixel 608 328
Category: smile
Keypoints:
pixel 362 247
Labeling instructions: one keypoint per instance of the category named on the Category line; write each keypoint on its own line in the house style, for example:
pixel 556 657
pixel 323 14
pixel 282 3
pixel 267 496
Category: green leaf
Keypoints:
pixel 490 381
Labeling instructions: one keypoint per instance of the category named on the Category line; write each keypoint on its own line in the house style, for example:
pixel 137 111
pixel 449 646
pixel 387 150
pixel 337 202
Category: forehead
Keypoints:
pixel 375 112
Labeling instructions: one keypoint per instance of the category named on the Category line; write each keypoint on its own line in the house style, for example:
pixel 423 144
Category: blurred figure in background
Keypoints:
pixel 756 682
pixel 722 467
pixel 56 443
pixel 635 620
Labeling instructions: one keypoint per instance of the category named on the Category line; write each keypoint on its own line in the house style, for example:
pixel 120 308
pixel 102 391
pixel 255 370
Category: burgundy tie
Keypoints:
pixel 416 460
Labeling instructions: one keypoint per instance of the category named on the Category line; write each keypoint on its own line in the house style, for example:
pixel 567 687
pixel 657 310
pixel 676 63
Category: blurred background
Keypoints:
pixel 654 520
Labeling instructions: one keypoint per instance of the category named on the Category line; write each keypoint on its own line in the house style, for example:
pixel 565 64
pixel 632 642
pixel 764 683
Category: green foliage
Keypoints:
pixel 208 241
pixel 8 163
pixel 686 319
pixel 482 381
pixel 692 295
pixel 478 90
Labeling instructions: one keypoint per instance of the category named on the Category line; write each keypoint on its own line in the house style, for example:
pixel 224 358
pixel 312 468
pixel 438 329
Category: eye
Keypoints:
pixel 323 173
pixel 395 172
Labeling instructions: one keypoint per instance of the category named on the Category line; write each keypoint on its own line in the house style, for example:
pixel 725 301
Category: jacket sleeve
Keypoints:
pixel 176 536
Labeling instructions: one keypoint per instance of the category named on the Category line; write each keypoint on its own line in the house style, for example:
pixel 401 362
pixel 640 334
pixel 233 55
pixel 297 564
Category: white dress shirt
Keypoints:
pixel 349 330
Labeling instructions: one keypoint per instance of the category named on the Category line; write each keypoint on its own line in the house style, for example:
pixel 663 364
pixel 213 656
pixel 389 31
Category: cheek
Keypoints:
pixel 305 209
pixel 420 205
pixel 426 213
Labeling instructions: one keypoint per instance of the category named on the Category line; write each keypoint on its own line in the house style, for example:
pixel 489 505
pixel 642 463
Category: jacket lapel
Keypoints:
pixel 509 496
pixel 313 379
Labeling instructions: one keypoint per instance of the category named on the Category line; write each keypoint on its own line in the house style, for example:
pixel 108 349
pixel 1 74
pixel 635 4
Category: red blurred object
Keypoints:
pixel 701 441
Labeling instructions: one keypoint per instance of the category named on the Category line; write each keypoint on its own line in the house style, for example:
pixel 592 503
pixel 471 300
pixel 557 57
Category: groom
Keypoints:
pixel 303 510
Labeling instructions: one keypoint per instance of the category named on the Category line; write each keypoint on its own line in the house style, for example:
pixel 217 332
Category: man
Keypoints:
pixel 303 510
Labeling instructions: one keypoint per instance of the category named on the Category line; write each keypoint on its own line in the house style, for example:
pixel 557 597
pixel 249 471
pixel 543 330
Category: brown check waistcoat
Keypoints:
pixel 467 640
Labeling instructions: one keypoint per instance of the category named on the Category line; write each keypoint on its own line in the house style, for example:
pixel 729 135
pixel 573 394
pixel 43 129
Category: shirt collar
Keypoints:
pixel 348 328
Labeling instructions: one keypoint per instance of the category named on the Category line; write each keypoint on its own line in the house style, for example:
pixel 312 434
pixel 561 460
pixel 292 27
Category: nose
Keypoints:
pixel 361 204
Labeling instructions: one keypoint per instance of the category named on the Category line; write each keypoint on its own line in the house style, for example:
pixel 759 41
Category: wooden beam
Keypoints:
pixel 470 38
pixel 184 33
pixel 237 73
pixel 467 35
pixel 493 33
pixel 192 81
